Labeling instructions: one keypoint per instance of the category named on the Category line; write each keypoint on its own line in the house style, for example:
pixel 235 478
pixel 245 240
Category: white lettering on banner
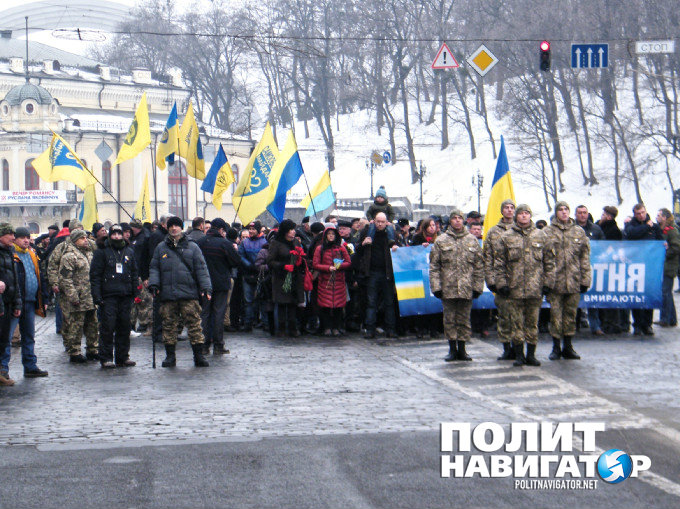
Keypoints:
pixel 617 276
pixel 621 277
pixel 636 276
pixel 530 429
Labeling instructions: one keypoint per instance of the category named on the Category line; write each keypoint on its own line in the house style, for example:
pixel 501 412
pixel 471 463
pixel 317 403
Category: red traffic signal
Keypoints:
pixel 545 56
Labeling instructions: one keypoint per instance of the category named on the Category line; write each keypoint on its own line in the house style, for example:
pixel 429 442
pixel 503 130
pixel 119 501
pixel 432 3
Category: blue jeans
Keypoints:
pixel 668 307
pixel 380 290
pixel 26 324
pixel 252 304
pixel 58 316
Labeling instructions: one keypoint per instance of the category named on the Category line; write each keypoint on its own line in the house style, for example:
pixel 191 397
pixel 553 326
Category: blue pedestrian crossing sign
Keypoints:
pixel 589 56
pixel 387 157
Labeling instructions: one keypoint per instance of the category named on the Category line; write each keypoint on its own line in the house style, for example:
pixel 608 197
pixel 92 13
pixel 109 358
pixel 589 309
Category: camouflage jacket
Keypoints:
pixel 572 256
pixel 74 277
pixel 491 243
pixel 456 265
pixel 54 261
pixel 524 261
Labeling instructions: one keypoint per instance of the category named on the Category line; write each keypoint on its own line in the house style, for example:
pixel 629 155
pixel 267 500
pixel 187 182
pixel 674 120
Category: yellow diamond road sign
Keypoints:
pixel 482 60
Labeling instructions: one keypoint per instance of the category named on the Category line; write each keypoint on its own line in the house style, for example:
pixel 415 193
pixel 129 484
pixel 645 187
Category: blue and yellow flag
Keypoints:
pixel 219 178
pixel 89 214
pixel 190 147
pixel 168 144
pixel 501 190
pixel 139 133
pixel 321 196
pixel 60 162
pixel 251 196
pixel 285 174
pixel 143 207
pixel 409 284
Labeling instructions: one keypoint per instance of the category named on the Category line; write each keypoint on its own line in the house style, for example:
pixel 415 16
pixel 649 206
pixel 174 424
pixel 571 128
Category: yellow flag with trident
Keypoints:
pixel 189 145
pixel 143 207
pixel 139 133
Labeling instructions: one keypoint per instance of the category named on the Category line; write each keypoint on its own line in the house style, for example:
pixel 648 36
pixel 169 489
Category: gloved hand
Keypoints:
pixel 138 300
pixel 546 290
pixel 99 302
pixel 504 291
pixel 584 288
pixel 289 267
pixel 493 288
pixel 206 295
pixel 437 294
pixel 475 294
pixel 155 291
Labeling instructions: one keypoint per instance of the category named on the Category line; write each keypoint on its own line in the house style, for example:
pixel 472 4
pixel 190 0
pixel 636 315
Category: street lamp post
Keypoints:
pixel 478 182
pixel 421 175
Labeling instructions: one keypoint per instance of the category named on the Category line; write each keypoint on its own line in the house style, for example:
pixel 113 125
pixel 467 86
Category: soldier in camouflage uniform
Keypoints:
pixel 489 247
pixel 456 277
pixel 53 263
pixel 572 278
pixel 178 277
pixel 524 271
pixel 76 302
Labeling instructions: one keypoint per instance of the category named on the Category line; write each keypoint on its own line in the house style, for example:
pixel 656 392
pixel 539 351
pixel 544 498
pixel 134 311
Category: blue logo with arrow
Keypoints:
pixel 614 466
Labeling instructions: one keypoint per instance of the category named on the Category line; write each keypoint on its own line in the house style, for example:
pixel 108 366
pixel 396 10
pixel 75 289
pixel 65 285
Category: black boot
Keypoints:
pixel 531 359
pixel 453 353
pixel 556 351
pixel 462 355
pixel 508 353
pixel 568 351
pixel 519 354
pixel 199 360
pixel 170 360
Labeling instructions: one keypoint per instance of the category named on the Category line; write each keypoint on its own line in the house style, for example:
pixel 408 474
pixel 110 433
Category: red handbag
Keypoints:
pixel 309 281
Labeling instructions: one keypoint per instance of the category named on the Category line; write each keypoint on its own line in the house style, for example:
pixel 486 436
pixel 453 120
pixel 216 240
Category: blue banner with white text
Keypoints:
pixel 626 274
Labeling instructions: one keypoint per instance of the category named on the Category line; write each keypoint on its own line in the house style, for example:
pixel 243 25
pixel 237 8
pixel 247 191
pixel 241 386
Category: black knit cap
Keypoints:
pixel 175 221
pixel 219 224
pixel 317 227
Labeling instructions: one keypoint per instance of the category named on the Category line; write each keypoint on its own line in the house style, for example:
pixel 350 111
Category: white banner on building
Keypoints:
pixel 32 197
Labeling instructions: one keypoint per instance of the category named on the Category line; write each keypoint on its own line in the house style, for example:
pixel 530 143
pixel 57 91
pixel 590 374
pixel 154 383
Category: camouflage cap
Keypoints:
pixel 136 223
pixel 77 234
pixel 523 207
pixel 507 202
pixel 6 229
pixel 75 224
pixel 562 203
pixel 455 211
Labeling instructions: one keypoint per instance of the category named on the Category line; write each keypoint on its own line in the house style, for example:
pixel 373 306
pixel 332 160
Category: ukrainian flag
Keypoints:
pixel 410 284
pixel 285 174
pixel 190 147
pixel 60 162
pixel 89 213
pixel 219 178
pixel 321 196
pixel 501 190
pixel 168 144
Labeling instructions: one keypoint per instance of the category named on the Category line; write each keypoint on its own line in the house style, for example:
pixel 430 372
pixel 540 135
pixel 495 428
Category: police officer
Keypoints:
pixel 489 248
pixel 524 271
pixel 178 278
pixel 113 279
pixel 457 277
pixel 572 278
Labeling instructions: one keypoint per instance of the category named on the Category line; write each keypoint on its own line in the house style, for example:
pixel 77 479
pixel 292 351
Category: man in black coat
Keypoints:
pixel 155 238
pixel 221 258
pixel 641 227
pixel 113 280
pixel 10 303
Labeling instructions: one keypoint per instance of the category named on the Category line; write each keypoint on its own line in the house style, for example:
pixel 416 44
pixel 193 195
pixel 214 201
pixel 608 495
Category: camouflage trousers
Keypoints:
pixel 142 311
pixel 79 322
pixel 504 326
pixel 563 307
pixel 64 318
pixel 457 319
pixel 181 312
pixel 523 318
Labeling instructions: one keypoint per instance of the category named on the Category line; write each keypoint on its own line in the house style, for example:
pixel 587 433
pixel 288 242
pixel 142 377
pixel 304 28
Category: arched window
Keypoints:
pixel 177 189
pixel 106 174
pixel 5 175
pixel 235 170
pixel 34 227
pixel 31 176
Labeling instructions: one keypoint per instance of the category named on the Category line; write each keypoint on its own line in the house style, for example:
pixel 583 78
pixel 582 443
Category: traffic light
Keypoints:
pixel 545 56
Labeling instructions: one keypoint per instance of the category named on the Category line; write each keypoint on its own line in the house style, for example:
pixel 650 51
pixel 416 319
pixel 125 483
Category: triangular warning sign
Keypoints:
pixel 444 59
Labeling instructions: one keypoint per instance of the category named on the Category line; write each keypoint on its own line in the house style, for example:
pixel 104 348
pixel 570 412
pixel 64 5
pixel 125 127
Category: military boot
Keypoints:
pixel 508 353
pixel 568 351
pixel 170 360
pixel 556 351
pixel 519 354
pixel 462 355
pixel 199 360
pixel 453 353
pixel 531 359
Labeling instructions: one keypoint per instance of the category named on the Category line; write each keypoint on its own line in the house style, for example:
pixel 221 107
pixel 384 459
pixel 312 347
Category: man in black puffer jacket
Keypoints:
pixel 179 278
pixel 10 304
pixel 113 280
pixel 221 257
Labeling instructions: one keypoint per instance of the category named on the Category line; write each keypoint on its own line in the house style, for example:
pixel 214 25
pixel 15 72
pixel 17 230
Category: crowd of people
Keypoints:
pixel 325 278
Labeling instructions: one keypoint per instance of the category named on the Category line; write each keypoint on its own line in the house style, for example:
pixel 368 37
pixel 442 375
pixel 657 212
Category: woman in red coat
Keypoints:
pixel 331 260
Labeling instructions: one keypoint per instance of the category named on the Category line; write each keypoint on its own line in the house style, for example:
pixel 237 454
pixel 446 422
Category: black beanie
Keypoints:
pixel 175 221
pixel 317 227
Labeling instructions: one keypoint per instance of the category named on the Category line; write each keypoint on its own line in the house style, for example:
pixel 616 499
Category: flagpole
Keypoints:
pixel 181 185
pixel 107 190
pixel 153 169
pixel 311 198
